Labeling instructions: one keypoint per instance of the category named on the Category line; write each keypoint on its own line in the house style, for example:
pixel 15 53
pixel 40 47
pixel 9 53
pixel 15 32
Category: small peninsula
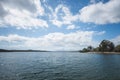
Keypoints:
pixel 105 46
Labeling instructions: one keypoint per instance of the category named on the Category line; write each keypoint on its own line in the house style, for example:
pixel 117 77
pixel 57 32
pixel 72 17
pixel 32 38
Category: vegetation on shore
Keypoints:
pixel 104 46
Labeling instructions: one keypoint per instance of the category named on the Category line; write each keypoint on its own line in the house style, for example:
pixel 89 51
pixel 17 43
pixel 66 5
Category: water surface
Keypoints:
pixel 59 66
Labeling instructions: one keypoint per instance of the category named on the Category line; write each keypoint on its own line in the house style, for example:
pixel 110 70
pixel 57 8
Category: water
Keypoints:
pixel 58 66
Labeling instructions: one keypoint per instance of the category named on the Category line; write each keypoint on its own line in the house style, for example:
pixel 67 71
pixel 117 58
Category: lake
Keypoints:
pixel 59 66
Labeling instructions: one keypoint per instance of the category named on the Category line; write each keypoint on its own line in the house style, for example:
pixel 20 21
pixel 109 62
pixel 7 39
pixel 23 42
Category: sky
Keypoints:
pixel 58 24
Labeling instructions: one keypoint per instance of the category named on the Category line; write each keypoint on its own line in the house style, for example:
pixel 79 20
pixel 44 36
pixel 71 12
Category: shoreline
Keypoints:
pixel 104 52
pixel 91 52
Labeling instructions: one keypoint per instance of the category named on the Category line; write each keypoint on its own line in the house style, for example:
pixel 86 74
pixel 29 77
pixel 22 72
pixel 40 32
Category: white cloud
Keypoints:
pixel 28 14
pixel 52 41
pixel 24 21
pixel 98 13
pixel 62 16
pixel 116 40
pixel 57 22
pixel 32 6
pixel 101 13
pixel 12 38
pixel 71 27
pixel 22 13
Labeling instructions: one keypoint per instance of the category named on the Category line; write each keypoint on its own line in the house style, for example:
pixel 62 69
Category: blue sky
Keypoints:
pixel 58 24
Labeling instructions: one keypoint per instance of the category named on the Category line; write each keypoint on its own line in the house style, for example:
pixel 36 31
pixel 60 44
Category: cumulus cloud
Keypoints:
pixel 28 14
pixel 22 13
pixel 98 13
pixel 52 41
pixel 32 6
pixel 12 38
pixel 62 16
pixel 101 13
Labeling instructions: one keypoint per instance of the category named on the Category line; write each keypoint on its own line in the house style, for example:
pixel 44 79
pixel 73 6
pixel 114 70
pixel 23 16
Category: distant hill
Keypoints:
pixel 4 50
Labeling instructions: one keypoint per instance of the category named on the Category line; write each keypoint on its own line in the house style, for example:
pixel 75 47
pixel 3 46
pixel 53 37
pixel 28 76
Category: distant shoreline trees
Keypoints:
pixel 104 46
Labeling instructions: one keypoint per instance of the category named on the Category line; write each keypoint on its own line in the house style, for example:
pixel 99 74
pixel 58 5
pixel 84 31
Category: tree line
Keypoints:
pixel 104 46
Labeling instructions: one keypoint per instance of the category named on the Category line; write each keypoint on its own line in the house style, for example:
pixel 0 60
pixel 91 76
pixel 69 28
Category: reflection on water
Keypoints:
pixel 59 66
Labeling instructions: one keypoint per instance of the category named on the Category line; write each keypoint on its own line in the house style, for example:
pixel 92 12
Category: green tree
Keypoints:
pixel 117 48
pixel 90 48
pixel 84 50
pixel 96 49
pixel 106 45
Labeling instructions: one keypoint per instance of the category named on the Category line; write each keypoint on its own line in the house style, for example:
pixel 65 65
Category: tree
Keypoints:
pixel 96 49
pixel 84 50
pixel 117 48
pixel 90 48
pixel 106 45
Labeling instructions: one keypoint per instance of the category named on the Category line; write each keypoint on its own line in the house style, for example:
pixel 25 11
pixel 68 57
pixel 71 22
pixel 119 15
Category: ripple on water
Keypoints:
pixel 59 66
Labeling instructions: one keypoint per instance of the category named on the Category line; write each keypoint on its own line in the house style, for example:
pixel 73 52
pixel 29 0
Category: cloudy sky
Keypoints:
pixel 58 24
